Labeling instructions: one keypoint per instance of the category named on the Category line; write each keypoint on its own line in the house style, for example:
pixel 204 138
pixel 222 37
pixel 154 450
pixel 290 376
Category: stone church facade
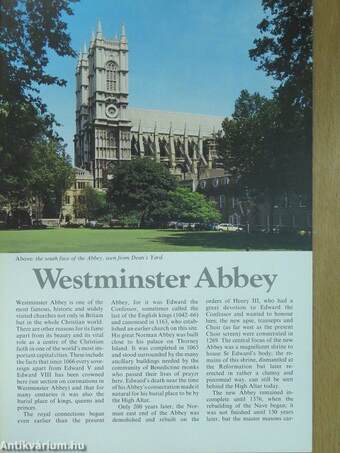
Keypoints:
pixel 108 130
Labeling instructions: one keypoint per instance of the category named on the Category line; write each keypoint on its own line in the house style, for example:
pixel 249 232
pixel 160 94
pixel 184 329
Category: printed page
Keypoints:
pixel 156 226
pixel 158 352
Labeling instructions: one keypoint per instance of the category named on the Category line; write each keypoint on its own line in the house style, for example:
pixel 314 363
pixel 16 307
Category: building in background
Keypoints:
pixel 108 130
pixel 74 195
pixel 291 211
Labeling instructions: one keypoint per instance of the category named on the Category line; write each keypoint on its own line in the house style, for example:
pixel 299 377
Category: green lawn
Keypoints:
pixel 86 240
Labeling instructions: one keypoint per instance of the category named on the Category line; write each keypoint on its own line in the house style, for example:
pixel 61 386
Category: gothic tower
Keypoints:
pixel 102 126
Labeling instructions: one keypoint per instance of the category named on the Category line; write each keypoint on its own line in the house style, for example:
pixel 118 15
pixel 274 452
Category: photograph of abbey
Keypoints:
pixel 156 179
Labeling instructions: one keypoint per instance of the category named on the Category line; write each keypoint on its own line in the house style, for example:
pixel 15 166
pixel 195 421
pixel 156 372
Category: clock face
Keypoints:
pixel 111 111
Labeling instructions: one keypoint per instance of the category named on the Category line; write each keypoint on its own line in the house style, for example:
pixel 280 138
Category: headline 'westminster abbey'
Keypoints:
pixel 109 131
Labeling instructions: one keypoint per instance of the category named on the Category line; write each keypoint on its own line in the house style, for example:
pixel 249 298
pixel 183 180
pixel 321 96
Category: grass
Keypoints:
pixel 115 240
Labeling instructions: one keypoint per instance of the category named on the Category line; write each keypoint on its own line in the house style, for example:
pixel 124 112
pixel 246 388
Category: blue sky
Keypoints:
pixel 184 55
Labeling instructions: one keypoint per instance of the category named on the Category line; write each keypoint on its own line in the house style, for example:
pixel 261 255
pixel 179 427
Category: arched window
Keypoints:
pixel 111 76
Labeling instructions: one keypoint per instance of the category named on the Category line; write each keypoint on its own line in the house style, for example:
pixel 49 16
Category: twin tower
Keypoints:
pixel 108 131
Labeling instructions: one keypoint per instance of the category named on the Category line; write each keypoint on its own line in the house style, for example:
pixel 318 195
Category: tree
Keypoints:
pixel 50 174
pixel 139 186
pixel 285 52
pixel 188 206
pixel 285 49
pixel 93 204
pixel 254 149
pixel 29 30
pixel 20 128
pixel 130 219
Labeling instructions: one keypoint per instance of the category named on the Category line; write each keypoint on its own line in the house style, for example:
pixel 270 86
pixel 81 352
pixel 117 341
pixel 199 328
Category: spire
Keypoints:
pixel 199 131
pixel 85 48
pixel 92 38
pixel 123 38
pixel 99 29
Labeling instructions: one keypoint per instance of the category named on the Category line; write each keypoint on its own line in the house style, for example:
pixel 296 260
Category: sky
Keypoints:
pixel 184 55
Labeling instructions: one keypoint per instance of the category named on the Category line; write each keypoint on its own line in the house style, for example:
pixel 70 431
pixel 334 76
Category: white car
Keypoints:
pixel 229 227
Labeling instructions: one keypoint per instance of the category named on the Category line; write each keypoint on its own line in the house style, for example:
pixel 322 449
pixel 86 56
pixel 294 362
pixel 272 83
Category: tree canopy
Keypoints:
pixel 285 48
pixel 50 174
pixel 250 146
pixel 33 163
pixel 30 154
pixel 29 28
pixel 187 206
pixel 92 205
pixel 267 143
pixel 285 51
pixel 20 129
pixel 139 186
pixel 253 146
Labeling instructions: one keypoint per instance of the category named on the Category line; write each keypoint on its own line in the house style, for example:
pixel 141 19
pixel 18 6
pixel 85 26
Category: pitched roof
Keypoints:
pixel 149 119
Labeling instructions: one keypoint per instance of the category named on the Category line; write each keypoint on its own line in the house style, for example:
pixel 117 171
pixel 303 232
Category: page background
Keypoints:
pixel 295 280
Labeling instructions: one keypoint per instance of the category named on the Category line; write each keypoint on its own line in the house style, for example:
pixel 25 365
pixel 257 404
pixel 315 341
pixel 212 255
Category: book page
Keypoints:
pixel 156 226
pixel 158 352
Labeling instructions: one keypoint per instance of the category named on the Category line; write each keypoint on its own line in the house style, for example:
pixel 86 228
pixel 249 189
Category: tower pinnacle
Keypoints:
pixel 123 38
pixel 99 29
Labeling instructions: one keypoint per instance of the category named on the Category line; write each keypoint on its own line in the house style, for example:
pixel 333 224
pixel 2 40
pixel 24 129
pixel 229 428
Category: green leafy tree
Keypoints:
pixel 20 128
pixel 284 51
pixel 187 206
pixel 285 48
pixel 139 186
pixel 130 219
pixel 29 30
pixel 254 150
pixel 50 175
pixel 93 204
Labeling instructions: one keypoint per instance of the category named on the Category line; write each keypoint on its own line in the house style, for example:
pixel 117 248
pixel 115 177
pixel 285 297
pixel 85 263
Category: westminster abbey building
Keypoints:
pixel 109 131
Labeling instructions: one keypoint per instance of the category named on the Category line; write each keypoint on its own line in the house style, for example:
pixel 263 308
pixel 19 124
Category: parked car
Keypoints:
pixel 212 226
pixel 229 227
pixel 72 225
pixel 115 223
pixel 97 225
pixel 182 225
pixel 192 226
pixel 38 225
pixel 172 224
pixel 91 224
